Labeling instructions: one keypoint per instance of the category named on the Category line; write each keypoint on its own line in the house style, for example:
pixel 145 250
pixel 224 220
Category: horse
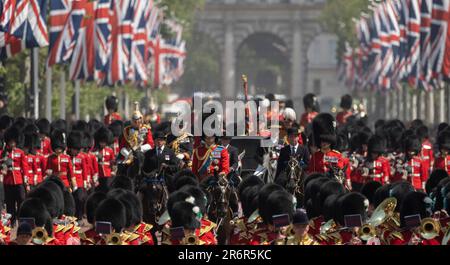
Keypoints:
pixel 152 191
pixel 223 203
pixel 292 179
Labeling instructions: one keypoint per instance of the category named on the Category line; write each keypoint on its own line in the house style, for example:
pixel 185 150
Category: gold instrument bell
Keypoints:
pixel 114 239
pixel 429 228
pixel 190 240
pixel 39 236
pixel 382 213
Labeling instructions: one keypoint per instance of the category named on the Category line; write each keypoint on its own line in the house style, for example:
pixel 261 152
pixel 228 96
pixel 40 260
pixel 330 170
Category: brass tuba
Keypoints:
pixel 429 228
pixel 366 232
pixel 114 239
pixel 39 235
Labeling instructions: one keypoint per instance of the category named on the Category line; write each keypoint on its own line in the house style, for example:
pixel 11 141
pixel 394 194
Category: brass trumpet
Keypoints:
pixel 39 235
pixel 366 232
pixel 429 228
pixel 114 239
pixel 191 240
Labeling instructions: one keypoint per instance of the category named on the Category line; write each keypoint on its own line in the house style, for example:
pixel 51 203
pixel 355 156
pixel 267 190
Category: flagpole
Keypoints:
pixel 62 95
pixel 35 80
pixel 77 99
pixel 48 93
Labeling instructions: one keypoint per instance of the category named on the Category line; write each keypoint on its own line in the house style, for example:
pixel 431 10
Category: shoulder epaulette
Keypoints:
pixel 59 228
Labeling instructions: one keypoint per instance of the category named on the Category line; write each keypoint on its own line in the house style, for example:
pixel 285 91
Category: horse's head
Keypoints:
pixel 153 193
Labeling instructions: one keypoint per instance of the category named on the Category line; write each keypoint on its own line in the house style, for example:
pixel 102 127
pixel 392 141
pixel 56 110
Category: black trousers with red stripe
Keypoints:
pixel 14 196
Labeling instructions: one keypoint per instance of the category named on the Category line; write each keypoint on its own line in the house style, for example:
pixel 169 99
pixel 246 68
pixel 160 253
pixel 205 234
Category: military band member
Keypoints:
pixel 300 227
pixel 111 104
pixel 426 154
pixel 89 236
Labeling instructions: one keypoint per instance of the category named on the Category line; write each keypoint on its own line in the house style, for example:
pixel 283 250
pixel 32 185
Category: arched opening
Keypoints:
pixel 264 58
pixel 202 66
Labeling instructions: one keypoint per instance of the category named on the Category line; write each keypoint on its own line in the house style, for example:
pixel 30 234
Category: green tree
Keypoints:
pixel 337 17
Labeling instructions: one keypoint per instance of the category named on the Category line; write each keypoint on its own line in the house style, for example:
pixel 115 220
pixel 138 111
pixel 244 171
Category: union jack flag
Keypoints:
pixel 83 59
pixel 160 51
pixel 102 39
pixel 138 67
pixel 439 37
pixel 413 60
pixel 122 34
pixel 22 24
pixel 65 21
pixel 425 42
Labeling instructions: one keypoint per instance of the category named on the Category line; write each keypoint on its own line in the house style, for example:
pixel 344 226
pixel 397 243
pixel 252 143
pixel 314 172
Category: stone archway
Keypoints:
pixel 231 22
pixel 264 58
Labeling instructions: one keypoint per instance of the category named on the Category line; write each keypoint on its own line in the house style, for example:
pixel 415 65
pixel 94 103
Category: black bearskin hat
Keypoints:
pixel 399 190
pixel 415 203
pixel 435 177
pixel 184 214
pixel 346 101
pixel 122 182
pixel 369 189
pixel 443 140
pixel 112 103
pixel 412 143
pixel 31 140
pixel 264 193
pixel 113 211
pixel 13 134
pixel 249 181
pixel 310 101
pixel 5 122
pixel 59 124
pixel 116 128
pixel 249 200
pixel 327 189
pixel 350 204
pixel 324 129
pixel 30 128
pixel 35 208
pixel 75 140
pixel 44 126
pixel 376 144
pixel 49 198
pixel 58 139
pixel 92 203
pixel 278 202
pixel 201 200
pixel 103 135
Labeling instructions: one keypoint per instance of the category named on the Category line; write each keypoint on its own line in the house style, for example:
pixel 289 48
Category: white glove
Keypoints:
pixel 125 152
pixel 49 172
pixel 145 148
pixel 85 184
pixel 180 156
pixel 95 178
pixel 26 180
pixel 74 188
pixel 423 185
pixel 35 179
pixel 365 171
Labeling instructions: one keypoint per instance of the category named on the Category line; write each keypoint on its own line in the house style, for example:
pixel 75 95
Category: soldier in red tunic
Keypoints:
pixel 346 105
pixel 80 168
pixel 411 167
pixel 34 160
pixel 110 212
pixel 327 160
pixel 14 170
pixel 426 154
pixel 104 157
pixel 116 128
pixel 443 159
pixel 60 164
pixel 111 104
pixel 44 135
pixel 311 110
pixel 375 167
